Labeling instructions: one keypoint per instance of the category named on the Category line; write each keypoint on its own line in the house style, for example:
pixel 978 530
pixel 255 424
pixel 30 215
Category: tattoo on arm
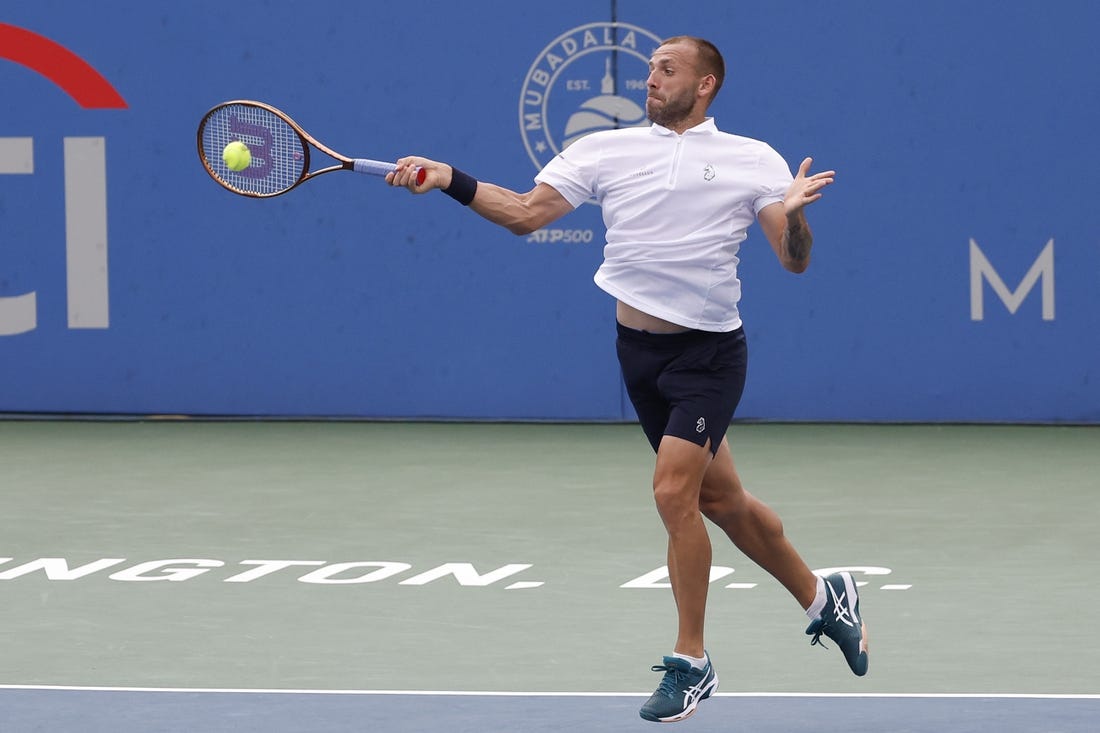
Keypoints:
pixel 797 239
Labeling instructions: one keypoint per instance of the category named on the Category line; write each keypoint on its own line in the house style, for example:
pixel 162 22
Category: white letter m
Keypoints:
pixel 980 268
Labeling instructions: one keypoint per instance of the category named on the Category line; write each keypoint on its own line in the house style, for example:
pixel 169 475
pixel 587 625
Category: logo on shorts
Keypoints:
pixel 701 425
pixel 590 78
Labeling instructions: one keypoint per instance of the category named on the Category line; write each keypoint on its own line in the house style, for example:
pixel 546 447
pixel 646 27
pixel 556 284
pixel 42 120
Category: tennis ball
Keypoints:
pixel 236 156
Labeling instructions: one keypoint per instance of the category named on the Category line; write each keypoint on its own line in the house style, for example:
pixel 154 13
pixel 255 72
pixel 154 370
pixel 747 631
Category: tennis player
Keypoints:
pixel 678 198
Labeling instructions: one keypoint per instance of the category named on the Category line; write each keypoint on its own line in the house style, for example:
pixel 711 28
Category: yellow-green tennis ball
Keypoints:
pixel 236 156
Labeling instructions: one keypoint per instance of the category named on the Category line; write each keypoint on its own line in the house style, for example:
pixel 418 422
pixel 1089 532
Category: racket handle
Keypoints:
pixel 381 168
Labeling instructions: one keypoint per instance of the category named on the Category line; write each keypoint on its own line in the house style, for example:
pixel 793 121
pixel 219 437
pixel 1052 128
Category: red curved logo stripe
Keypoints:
pixel 61 66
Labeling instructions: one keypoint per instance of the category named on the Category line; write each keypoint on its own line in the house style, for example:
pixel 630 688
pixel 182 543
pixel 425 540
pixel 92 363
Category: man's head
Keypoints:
pixel 685 74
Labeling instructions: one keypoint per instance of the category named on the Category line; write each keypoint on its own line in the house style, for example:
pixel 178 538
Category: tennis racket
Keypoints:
pixel 279 148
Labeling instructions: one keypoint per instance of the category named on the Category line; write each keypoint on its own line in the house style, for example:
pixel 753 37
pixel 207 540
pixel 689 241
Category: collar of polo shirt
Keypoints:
pixel 705 127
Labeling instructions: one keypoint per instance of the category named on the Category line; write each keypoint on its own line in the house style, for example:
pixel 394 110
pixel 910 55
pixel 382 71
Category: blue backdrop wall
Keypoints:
pixel 956 270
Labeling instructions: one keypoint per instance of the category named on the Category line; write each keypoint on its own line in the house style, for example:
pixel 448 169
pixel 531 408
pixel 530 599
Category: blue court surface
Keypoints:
pixel 149 711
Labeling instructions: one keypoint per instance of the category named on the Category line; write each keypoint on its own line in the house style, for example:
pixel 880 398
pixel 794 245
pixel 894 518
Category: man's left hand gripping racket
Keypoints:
pixel 278 150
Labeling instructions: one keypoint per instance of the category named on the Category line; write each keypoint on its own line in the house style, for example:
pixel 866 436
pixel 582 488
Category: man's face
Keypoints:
pixel 673 82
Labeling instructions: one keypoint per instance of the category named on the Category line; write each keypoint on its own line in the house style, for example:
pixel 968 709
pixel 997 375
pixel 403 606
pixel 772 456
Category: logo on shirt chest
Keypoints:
pixel 590 78
pixel 708 172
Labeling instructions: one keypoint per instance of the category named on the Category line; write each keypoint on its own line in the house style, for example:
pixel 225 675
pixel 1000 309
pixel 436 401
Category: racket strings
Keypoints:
pixel 279 157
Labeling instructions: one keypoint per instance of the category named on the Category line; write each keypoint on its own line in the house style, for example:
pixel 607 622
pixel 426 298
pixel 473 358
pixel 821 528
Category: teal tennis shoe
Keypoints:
pixel 681 690
pixel 841 622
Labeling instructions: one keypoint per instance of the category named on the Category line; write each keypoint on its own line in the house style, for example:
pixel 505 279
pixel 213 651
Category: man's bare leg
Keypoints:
pixel 754 527
pixel 677 478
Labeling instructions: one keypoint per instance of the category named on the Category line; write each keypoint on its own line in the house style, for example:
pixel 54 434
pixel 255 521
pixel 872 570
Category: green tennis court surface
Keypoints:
pixel 527 558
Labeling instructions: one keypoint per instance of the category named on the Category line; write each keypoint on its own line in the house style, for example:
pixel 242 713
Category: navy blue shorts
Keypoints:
pixel 683 384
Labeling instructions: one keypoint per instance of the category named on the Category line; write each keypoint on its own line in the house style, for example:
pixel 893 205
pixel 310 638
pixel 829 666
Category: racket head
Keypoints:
pixel 278 146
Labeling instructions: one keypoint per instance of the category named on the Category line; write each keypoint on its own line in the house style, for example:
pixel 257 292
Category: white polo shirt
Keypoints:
pixel 676 208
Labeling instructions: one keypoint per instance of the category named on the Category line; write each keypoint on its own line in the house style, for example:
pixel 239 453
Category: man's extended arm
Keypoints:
pixel 519 213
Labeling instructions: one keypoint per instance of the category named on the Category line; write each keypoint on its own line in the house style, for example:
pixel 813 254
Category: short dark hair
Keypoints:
pixel 710 58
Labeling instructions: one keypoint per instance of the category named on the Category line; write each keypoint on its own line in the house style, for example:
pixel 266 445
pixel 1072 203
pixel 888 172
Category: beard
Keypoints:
pixel 670 111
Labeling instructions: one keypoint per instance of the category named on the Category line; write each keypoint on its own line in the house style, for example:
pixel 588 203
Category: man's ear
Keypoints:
pixel 706 85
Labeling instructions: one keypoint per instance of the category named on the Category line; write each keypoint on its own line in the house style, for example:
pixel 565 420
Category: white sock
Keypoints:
pixel 819 600
pixel 697 662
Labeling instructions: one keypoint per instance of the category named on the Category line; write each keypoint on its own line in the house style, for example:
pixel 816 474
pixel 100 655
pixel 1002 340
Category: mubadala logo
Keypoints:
pixel 590 78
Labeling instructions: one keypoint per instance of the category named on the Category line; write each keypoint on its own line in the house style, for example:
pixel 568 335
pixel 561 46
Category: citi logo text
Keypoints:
pixel 85 234
pixel 85 183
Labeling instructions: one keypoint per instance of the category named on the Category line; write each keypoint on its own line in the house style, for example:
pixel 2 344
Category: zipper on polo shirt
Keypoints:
pixel 675 162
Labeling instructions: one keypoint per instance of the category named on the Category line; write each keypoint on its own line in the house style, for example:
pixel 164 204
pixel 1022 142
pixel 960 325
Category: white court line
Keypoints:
pixel 476 693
